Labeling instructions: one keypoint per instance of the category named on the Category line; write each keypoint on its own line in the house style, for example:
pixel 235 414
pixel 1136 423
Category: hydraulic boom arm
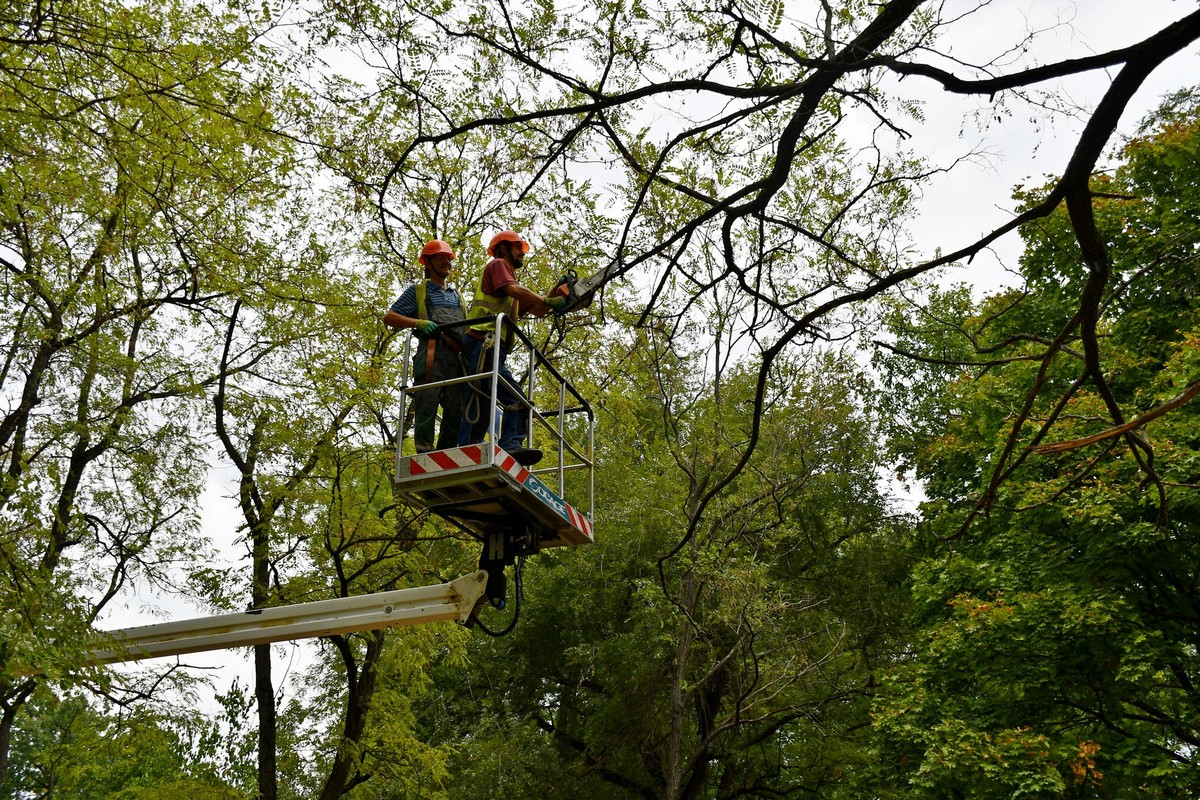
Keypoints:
pixel 453 600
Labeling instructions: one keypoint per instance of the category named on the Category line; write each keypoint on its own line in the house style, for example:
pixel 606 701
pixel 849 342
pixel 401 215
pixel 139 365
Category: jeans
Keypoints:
pixel 514 426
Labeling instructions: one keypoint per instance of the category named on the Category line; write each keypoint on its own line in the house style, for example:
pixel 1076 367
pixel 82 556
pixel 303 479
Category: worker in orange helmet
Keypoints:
pixel 425 307
pixel 498 292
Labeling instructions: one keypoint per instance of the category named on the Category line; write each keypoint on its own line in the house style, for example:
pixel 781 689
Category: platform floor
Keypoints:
pixel 487 496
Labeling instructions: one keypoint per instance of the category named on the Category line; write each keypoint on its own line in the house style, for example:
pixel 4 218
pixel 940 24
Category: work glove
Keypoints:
pixel 556 303
pixel 427 327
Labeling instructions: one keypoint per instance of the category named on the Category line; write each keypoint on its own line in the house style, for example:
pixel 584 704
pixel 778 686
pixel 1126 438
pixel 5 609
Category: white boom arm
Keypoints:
pixel 453 600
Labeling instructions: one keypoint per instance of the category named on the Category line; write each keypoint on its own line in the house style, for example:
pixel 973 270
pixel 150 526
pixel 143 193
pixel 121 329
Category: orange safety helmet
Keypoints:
pixel 433 247
pixel 507 236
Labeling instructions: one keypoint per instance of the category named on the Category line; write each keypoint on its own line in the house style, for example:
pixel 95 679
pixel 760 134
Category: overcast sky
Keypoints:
pixel 958 208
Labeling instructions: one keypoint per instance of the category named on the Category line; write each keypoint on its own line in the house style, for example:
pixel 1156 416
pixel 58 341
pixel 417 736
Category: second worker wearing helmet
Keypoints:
pixel 498 292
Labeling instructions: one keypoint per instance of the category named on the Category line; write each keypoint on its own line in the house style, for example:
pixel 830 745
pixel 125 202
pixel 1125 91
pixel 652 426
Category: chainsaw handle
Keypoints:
pixel 566 288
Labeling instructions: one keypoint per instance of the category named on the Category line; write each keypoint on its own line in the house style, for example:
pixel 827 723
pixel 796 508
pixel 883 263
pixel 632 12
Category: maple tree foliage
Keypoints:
pixel 1059 605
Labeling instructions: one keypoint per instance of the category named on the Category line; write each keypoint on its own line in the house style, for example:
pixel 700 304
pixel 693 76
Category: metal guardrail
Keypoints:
pixel 554 404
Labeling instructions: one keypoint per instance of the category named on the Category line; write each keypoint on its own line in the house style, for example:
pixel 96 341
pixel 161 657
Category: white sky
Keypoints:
pixel 960 207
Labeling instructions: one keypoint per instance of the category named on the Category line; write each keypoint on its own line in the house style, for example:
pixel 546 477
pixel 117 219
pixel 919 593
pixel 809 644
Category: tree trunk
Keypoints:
pixel 264 688
pixel 10 706
pixel 359 691
pixel 676 741
pixel 264 693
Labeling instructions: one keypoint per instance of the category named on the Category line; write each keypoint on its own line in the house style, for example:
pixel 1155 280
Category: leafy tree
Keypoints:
pixel 140 170
pixel 66 747
pixel 354 715
pixel 693 651
pixel 1057 655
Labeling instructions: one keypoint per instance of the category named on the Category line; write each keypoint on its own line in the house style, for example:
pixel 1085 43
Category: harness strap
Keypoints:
pixel 430 351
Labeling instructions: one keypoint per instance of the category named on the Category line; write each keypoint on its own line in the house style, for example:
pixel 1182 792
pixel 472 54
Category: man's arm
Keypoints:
pixel 528 301
pixel 394 319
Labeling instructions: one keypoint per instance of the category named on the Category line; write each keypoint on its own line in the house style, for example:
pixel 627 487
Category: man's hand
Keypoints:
pixel 557 304
pixel 427 327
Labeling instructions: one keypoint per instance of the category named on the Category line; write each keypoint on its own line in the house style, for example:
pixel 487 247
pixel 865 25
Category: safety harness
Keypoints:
pixel 431 342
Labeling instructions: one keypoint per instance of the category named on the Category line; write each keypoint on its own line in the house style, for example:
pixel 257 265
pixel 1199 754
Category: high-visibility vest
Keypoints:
pixel 421 294
pixel 487 305
pixel 439 315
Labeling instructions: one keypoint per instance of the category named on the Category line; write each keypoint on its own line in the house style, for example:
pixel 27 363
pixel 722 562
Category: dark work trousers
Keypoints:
pixel 514 426
pixel 426 401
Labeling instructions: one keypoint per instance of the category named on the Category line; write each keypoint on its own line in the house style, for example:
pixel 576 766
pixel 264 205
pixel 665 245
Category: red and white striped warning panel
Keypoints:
pixel 445 461
pixel 442 460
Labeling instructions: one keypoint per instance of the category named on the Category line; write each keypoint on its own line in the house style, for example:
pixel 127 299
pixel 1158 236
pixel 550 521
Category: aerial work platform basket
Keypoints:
pixel 480 487
pixel 483 490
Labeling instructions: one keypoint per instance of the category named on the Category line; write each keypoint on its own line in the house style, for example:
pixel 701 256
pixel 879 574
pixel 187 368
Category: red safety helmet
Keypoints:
pixel 433 247
pixel 507 236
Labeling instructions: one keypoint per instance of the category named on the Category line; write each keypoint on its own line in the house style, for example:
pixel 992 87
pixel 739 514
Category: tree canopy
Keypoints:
pixel 1059 605
pixel 755 151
